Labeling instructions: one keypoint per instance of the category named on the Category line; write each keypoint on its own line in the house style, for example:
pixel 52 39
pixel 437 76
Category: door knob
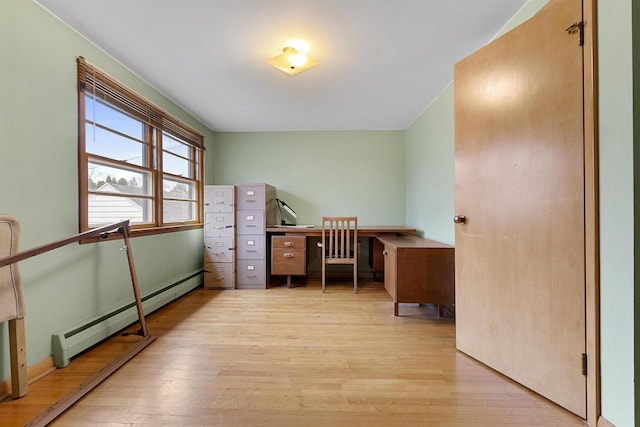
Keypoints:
pixel 459 219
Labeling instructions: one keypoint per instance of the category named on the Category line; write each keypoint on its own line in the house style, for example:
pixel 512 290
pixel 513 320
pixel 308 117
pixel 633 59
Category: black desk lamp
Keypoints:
pixel 285 212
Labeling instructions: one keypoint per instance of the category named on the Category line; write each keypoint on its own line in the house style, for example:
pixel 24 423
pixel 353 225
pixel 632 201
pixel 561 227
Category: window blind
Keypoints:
pixel 92 80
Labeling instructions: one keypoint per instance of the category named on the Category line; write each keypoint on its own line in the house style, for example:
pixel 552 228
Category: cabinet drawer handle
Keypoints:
pixel 288 255
pixel 288 244
pixel 385 252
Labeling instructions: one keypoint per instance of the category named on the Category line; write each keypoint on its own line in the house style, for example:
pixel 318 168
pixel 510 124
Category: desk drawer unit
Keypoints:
pixel 289 255
pixel 418 270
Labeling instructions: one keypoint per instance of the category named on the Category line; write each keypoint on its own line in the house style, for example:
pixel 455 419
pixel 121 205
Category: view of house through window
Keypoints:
pixel 136 161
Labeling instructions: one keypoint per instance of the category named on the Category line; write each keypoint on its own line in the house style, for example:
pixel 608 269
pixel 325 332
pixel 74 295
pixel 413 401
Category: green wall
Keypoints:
pixel 39 183
pixel 429 174
pixel 319 173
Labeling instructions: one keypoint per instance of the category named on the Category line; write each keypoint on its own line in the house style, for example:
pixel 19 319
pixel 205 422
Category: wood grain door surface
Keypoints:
pixel 519 181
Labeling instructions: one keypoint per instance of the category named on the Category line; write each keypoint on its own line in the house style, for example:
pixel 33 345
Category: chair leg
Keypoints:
pixel 355 278
pixel 323 277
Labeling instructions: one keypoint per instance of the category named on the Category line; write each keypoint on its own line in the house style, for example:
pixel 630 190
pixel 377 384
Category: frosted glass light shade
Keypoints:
pixel 292 61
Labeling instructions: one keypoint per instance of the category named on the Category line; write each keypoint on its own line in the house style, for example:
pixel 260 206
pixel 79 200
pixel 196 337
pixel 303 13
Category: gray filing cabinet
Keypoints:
pixel 255 211
pixel 219 237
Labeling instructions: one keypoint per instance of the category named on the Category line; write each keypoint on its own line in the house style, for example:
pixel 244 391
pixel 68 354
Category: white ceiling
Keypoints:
pixel 382 62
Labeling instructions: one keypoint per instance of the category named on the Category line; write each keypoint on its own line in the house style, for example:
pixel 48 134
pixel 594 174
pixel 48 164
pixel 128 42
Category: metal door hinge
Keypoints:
pixel 584 364
pixel 576 27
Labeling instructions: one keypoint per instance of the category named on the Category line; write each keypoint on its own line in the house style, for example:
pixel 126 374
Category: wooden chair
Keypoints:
pixel 12 305
pixel 339 245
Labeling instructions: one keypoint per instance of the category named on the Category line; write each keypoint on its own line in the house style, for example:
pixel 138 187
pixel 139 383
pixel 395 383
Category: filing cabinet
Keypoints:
pixel 219 198
pixel 219 225
pixel 251 246
pixel 219 275
pixel 256 210
pixel 289 256
pixel 219 237
pixel 219 250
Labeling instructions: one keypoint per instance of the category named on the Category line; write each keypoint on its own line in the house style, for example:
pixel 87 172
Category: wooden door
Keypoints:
pixel 519 182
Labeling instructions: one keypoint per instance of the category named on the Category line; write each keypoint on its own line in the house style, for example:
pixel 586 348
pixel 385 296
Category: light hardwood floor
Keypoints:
pixel 291 357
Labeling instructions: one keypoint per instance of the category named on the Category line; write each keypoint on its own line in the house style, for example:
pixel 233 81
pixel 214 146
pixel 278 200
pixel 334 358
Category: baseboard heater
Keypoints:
pixel 70 343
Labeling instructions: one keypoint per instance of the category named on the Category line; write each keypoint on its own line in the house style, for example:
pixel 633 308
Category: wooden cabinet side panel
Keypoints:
pixel 390 270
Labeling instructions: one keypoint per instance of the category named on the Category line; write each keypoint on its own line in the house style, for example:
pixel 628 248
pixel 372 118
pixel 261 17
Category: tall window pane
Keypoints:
pixel 106 209
pixel 178 189
pixel 97 111
pixel 106 178
pixel 176 156
pixel 105 143
pixel 175 211
pixel 175 146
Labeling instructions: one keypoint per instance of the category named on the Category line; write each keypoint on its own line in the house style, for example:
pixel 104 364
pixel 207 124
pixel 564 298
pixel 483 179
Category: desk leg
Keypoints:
pixel 289 281
pixel 395 308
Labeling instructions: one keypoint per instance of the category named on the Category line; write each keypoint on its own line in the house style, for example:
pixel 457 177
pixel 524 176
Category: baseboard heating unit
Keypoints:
pixel 70 343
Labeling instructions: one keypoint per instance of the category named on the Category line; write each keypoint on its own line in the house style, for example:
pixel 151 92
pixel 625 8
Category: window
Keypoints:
pixel 136 162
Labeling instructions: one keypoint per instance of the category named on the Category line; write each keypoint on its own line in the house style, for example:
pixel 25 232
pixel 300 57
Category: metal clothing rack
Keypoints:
pixel 19 375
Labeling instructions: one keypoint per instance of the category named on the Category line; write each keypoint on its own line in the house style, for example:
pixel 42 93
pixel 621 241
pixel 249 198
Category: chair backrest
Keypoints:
pixel 340 237
pixel 11 296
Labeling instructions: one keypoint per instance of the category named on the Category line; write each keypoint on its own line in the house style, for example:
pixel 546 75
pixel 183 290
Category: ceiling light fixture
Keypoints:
pixel 293 59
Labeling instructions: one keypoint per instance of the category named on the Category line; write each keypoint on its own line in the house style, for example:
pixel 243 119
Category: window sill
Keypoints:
pixel 137 232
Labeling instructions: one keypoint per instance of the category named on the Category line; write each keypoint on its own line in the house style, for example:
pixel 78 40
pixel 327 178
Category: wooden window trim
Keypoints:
pixel 103 87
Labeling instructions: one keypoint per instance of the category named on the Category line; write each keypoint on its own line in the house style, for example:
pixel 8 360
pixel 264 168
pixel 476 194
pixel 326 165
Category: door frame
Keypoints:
pixel 592 241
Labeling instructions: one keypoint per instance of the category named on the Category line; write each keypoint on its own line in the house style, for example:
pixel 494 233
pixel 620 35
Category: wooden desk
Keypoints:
pixel 418 270
pixel 291 265
pixel 363 230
